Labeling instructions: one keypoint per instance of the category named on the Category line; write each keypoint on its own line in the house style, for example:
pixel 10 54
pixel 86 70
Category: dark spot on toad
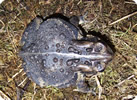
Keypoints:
pixel 63 46
pixel 62 35
pixel 77 52
pixel 69 62
pixel 89 49
pixel 86 62
pixel 71 49
pixel 58 50
pixel 57 45
pixel 55 60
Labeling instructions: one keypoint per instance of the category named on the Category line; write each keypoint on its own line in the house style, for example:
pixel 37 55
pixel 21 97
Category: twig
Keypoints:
pixel 17 73
pixel 3 26
pixel 4 96
pixel 23 81
pixel 125 17
pixel 129 2
pixel 34 92
pixel 112 7
pixel 133 27
pixel 20 91
pixel 125 80
pixel 99 87
pixel 79 2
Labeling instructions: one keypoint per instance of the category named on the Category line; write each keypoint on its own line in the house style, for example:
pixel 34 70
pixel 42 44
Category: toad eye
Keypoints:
pixel 99 65
pixel 99 47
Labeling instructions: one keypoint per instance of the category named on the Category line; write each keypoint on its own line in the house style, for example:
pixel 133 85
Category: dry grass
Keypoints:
pixel 120 77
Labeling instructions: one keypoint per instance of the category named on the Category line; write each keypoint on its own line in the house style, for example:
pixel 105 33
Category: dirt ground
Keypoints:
pixel 118 81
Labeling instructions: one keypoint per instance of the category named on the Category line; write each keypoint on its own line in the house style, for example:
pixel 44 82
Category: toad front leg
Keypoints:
pixel 82 84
